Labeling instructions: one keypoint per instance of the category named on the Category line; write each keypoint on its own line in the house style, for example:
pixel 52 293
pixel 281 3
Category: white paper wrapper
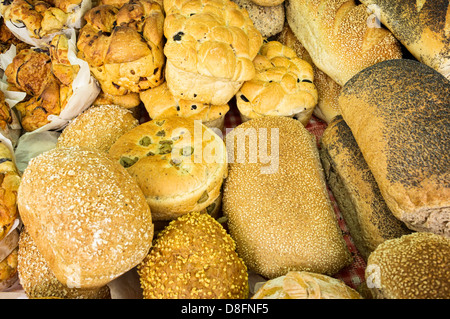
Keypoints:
pixel 74 21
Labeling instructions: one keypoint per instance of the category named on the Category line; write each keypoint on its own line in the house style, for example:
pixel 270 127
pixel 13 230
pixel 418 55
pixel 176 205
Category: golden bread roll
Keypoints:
pixel 365 212
pixel 421 26
pixel 337 35
pixel 8 270
pixel 7 38
pixel 9 185
pixel 268 3
pixel 414 266
pixel 210 47
pixel 124 46
pixel 38 281
pixel 129 101
pixel 160 104
pixel 193 258
pixel 86 215
pixel 277 207
pixel 398 112
pixel 305 285
pixel 98 127
pixel 282 86
pixel 179 164
pixel 327 89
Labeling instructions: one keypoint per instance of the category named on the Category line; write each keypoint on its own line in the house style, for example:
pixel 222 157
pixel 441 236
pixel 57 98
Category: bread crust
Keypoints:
pixel 338 38
pixel 423 27
pixel 398 112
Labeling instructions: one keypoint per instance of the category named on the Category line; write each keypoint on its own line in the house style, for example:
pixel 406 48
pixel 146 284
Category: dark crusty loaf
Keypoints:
pixel 423 27
pixel 399 113
pixel 365 212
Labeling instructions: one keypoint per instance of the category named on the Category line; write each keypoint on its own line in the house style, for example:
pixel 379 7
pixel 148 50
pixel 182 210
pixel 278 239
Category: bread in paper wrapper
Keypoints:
pixel 36 22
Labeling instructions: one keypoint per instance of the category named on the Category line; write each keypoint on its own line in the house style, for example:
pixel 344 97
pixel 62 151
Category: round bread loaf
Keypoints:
pixel 178 163
pixel 160 104
pixel 98 127
pixel 399 114
pixel 305 285
pixel 283 85
pixel 193 258
pixel 86 215
pixel 209 50
pixel 38 281
pixel 278 208
pixel 414 266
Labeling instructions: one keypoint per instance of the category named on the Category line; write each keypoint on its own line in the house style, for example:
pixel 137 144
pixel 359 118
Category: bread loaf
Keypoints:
pixel 38 281
pixel 421 26
pixel 327 89
pixel 337 35
pixel 365 212
pixel 193 258
pixel 179 164
pixel 282 86
pixel 209 50
pixel 278 209
pixel 414 266
pixel 398 112
pixel 86 215
pixel 305 285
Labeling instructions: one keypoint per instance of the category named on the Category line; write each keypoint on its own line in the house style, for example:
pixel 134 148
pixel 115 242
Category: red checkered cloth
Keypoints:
pixel 352 275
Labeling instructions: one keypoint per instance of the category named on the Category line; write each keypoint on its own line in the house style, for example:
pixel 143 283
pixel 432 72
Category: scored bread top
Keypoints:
pixel 211 41
pixel 178 163
pixel 283 84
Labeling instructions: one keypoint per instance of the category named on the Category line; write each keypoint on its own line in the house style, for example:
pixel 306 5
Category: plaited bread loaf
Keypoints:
pixel 414 266
pixel 421 26
pixel 160 104
pixel 278 209
pixel 124 46
pixel 38 281
pixel 209 50
pixel 398 112
pixel 98 127
pixel 365 212
pixel 338 37
pixel 305 285
pixel 282 86
pixel 86 215
pixel 327 89
pixel 194 258
pixel 178 163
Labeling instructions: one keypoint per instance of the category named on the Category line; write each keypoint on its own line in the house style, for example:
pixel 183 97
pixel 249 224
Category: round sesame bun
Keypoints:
pixel 38 281
pixel 305 285
pixel 86 215
pixel 278 209
pixel 98 127
pixel 414 266
pixel 178 163
pixel 193 258
pixel 160 103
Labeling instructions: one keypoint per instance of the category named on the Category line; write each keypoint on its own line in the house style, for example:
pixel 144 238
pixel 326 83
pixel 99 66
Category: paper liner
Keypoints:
pixel 74 21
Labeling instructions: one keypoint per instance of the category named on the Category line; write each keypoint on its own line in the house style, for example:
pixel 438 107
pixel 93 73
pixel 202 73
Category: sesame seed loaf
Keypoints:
pixel 414 266
pixel 38 281
pixel 365 212
pixel 398 112
pixel 338 37
pixel 98 127
pixel 193 258
pixel 281 219
pixel 86 215
pixel 421 26
pixel 179 164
